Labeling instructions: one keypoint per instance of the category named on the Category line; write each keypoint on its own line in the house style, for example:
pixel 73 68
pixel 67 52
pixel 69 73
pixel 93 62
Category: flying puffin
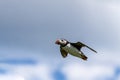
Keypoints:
pixel 72 48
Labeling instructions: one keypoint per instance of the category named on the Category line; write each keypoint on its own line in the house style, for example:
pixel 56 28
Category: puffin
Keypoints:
pixel 73 49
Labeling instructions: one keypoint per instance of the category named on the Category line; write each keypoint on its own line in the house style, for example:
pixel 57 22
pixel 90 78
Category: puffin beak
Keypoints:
pixel 57 42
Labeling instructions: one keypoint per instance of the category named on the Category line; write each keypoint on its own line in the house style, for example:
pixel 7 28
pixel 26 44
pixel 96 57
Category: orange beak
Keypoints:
pixel 57 42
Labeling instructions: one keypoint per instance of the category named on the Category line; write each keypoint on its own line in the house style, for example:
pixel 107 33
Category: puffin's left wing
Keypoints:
pixel 63 53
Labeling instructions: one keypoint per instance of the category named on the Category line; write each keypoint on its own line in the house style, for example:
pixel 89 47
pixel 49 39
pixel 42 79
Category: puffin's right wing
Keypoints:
pixel 63 53
pixel 80 44
pixel 84 45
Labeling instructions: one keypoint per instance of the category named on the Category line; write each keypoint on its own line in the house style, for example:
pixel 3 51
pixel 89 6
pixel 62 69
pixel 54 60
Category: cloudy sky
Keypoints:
pixel 29 28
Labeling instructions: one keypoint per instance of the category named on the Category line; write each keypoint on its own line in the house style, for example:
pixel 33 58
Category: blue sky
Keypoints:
pixel 28 30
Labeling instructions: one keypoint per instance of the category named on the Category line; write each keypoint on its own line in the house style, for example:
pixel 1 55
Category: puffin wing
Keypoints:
pixel 79 45
pixel 84 45
pixel 63 53
pixel 91 49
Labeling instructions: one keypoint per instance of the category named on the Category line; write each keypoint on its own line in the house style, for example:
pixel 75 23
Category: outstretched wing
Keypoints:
pixel 63 53
pixel 79 45
pixel 91 49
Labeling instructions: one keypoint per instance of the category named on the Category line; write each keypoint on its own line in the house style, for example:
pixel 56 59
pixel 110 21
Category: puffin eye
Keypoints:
pixel 61 40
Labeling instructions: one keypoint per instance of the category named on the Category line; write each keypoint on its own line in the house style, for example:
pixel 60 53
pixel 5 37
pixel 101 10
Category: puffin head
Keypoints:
pixel 61 42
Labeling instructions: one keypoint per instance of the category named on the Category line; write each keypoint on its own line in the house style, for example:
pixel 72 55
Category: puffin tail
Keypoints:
pixel 84 57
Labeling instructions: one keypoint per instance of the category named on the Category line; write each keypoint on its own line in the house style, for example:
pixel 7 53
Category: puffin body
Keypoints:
pixel 74 51
pixel 72 48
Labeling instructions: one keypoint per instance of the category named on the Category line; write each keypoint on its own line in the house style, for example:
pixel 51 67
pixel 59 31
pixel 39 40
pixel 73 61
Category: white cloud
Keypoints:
pixel 11 77
pixel 107 57
pixel 41 71
pixel 27 72
pixel 100 65
pixel 118 77
pixel 87 72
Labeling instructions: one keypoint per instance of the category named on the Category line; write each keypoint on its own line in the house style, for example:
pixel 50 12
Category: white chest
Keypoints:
pixel 71 49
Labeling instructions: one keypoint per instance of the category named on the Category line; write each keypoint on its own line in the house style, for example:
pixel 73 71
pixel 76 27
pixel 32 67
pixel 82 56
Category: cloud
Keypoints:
pixel 39 71
pixel 109 57
pixel 87 72
pixel 118 78
pixel 27 72
pixel 11 77
pixel 101 66
pixel 68 71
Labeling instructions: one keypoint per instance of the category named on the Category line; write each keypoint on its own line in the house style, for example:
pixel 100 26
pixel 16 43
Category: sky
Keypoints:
pixel 29 29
